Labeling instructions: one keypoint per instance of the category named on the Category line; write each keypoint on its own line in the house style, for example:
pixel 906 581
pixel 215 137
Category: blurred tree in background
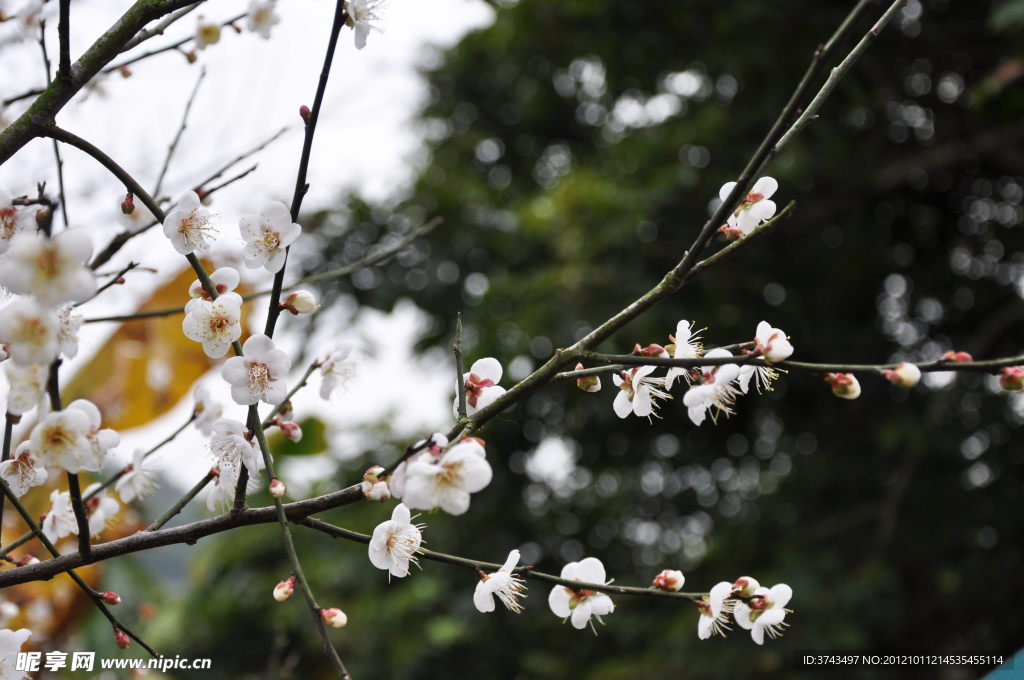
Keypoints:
pixel 575 146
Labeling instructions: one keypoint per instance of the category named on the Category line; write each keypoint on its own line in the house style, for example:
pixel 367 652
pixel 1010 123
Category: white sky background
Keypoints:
pixel 365 142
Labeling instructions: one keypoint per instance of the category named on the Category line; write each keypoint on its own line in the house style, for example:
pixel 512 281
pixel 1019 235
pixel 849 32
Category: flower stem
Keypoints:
pixel 74 490
pixel 460 368
pixel 185 500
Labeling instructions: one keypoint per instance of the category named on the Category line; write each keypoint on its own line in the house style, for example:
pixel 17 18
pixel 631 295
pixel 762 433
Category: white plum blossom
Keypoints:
pixel 188 225
pixel 259 373
pixel 754 208
pixel 28 386
pixel 230 446
pixel 267 235
pixel 638 392
pixel 337 369
pixel 503 583
pixel 70 322
pixel 137 480
pixel 22 471
pixel 581 604
pixel 206 410
pixel 51 269
pixel 60 521
pixel 447 481
pixel 360 15
pixel 100 441
pixel 481 386
pixel 715 390
pixel 715 608
pixel 100 508
pixel 216 324
pixel 772 343
pixel 669 580
pixel 765 612
pixel 207 33
pixel 13 221
pixel 225 280
pixel 61 439
pixel 10 646
pixel 223 490
pixel 261 18
pixel 395 542
pixel 432 445
pixel 29 331
pixel 687 346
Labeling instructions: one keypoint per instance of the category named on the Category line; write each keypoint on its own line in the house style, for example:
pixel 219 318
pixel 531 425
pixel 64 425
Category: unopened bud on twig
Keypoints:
pixel 670 579
pixel 191 56
pixel 277 488
pixel 27 560
pixel 44 218
pixel 300 302
pixel 957 357
pixel 284 589
pixel 374 487
pixel 905 375
pixel 110 598
pixel 745 586
pixel 1012 378
pixel 844 385
pixel 122 640
pixel 128 205
pixel 334 617
pixel 124 71
pixel 590 383
pixel 304 113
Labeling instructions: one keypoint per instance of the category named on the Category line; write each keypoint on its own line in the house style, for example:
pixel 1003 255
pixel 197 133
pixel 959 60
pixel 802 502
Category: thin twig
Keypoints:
pixel 180 505
pixel 301 187
pixel 168 48
pixel 64 36
pixel 74 489
pixel 460 369
pixel 56 148
pixel 269 420
pixel 115 280
pixel 8 435
pixel 159 29
pixel 181 130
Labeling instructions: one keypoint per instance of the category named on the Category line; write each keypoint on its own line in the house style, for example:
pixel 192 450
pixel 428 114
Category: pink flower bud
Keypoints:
pixel 905 375
pixel 844 385
pixel 191 56
pixel 128 205
pixel 300 302
pixel 372 475
pixel 44 218
pixel 304 113
pixel 745 586
pixel 731 233
pixel 290 430
pixel 1012 378
pixel 125 73
pixel 651 350
pixel 110 598
pixel 284 589
pixel 122 640
pixel 590 383
pixel 670 580
pixel 334 617
pixel 27 560
pixel 277 488
pixel 957 357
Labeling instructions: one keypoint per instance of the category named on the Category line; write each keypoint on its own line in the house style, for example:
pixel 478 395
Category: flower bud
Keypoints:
pixel 651 350
pixel 122 640
pixel 191 56
pixel 27 560
pixel 110 598
pixel 731 233
pixel 905 375
pixel 844 385
pixel 591 383
pixel 128 205
pixel 300 302
pixel 334 617
pixel 3 352
pixel 957 357
pixel 670 580
pixel 284 589
pixel 44 218
pixel 1012 378
pixel 373 474
pixel 125 73
pixel 291 430
pixel 277 488
pixel 304 113
pixel 375 491
pixel 745 586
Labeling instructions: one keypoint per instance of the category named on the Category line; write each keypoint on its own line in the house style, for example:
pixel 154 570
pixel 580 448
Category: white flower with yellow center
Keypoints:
pixel 267 235
pixel 51 269
pixel 225 280
pixel 101 508
pixel 61 439
pixel 753 209
pixel 259 373
pixel 638 392
pixel 503 583
pixel 715 391
pixel 715 608
pixel 60 521
pixel 579 603
pixel 10 646
pixel 70 322
pixel 262 18
pixel 23 470
pixel 764 612
pixel 13 221
pixel 100 440
pixel 395 542
pixel 207 33
pixel 337 369
pixel 447 481
pixel 231 446
pixel 481 386
pixel 28 386
pixel 687 346
pixel 215 324
pixel 137 480
pixel 361 14
pixel 207 411
pixel 29 331
pixel 188 225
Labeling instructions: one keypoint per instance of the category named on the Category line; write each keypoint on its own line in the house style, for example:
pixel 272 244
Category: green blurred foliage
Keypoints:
pixel 575 147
